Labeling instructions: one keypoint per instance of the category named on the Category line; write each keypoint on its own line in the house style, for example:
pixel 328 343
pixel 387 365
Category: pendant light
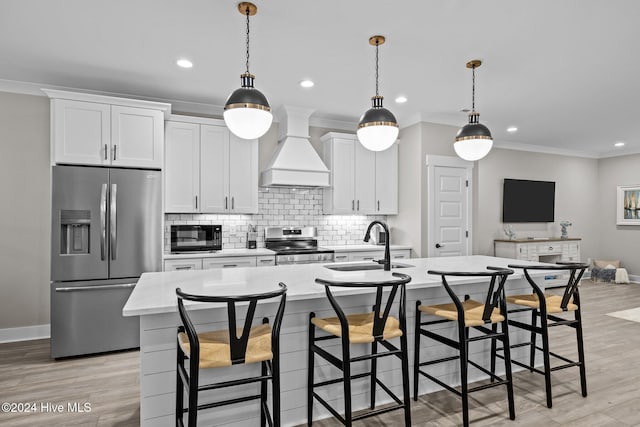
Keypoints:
pixel 247 112
pixel 378 128
pixel 473 140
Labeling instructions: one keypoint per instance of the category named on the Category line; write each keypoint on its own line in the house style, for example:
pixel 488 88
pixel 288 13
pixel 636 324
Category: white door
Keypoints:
pixel 136 137
pixel 365 179
pixel 387 181
pixel 449 225
pixel 81 132
pixel 182 167
pixel 243 175
pixel 214 169
pixel 343 175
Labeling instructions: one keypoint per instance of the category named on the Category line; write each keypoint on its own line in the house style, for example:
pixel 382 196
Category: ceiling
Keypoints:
pixel 564 72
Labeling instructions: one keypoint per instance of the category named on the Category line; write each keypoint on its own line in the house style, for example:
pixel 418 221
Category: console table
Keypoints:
pixel 549 250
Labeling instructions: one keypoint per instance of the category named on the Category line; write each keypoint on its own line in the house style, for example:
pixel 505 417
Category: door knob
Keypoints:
pixel 438 245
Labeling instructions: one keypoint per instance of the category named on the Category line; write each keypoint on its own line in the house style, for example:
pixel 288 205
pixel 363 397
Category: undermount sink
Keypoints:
pixel 364 266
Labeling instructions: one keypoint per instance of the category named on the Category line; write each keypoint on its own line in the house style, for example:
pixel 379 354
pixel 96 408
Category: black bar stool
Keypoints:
pixel 467 314
pixel 223 348
pixel 545 306
pixel 375 327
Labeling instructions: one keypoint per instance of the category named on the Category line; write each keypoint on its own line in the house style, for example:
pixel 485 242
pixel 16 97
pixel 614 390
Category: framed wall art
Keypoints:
pixel 628 205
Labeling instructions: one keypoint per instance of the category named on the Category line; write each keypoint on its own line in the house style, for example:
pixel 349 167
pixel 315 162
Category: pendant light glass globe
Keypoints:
pixel 474 140
pixel 378 127
pixel 247 113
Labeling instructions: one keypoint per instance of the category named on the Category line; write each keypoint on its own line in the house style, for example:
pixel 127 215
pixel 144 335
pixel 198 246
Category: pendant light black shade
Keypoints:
pixel 473 140
pixel 247 112
pixel 378 127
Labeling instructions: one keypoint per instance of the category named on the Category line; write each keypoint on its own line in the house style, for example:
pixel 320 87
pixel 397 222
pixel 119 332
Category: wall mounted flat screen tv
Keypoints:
pixel 528 201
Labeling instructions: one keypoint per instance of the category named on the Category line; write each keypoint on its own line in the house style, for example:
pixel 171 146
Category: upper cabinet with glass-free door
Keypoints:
pixel 362 182
pixel 106 131
pixel 208 169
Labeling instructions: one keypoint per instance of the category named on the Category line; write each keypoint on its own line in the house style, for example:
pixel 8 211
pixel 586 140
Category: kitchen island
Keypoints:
pixel 154 301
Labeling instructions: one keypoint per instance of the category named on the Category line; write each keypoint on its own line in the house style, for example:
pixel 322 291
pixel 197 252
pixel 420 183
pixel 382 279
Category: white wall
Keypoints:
pixel 25 213
pixel 576 197
pixel 617 241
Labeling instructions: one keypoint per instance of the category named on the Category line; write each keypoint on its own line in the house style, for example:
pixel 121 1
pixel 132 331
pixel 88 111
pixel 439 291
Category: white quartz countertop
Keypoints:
pixel 363 248
pixel 155 292
pixel 222 253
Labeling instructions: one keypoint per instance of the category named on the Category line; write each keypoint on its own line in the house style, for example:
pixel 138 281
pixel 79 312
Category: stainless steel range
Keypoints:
pixel 296 245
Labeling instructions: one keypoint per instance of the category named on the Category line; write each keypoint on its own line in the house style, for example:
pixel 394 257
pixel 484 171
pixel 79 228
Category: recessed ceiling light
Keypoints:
pixel 184 63
pixel 401 99
pixel 512 129
pixel 619 144
pixel 307 83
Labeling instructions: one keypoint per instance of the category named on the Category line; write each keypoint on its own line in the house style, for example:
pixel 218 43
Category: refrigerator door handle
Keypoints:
pixel 96 288
pixel 113 218
pixel 103 222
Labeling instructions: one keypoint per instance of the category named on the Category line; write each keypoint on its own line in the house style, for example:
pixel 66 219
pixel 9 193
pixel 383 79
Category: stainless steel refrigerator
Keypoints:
pixel 106 231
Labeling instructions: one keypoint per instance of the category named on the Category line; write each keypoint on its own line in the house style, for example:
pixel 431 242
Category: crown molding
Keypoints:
pixel 544 149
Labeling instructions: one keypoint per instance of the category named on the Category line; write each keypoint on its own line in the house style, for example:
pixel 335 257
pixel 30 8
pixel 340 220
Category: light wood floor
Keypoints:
pixel 110 382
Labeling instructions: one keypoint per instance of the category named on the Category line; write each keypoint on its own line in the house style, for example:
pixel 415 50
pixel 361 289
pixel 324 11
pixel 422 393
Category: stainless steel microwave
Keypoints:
pixel 196 238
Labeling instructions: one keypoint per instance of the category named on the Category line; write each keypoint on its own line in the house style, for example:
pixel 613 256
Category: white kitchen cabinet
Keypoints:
pixel 265 261
pixel 228 262
pixel 209 170
pixel 387 181
pixel 137 137
pixel 182 167
pixel 376 254
pixel 362 181
pixel 183 264
pixel 106 131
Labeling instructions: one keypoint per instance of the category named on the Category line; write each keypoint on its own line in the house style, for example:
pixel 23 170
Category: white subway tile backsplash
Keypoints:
pixel 281 207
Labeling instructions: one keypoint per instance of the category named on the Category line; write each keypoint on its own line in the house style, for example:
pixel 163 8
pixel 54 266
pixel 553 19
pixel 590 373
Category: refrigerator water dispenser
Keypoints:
pixel 75 227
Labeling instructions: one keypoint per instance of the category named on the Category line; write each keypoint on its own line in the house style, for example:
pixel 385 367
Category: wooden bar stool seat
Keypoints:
pixel 215 348
pixel 467 315
pixel 228 347
pixel 376 327
pixel 360 327
pixel 553 302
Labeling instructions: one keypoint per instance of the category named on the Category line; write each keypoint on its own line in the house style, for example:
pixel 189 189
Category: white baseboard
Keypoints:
pixel 25 333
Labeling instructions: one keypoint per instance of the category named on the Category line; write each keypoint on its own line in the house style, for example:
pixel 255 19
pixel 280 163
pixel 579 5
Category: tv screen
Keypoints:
pixel 528 201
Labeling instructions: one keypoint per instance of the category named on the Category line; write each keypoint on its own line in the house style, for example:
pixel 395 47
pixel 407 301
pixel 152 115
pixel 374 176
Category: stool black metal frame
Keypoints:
pixel 494 299
pixel 381 314
pixel 547 321
pixel 270 369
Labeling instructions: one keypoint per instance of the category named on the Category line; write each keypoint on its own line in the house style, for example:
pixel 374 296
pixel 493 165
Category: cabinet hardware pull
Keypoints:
pixel 367 258
pixel 378 204
pixel 266 260
pixel 229 265
pixel 358 205
pixel 106 150
pixel 185 267
pixel 233 203
pixel 353 205
pixel 226 204
pixel 115 147
pixel 196 202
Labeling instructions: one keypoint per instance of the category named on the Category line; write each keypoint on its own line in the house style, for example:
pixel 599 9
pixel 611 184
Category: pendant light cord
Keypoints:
pixel 377 42
pixel 247 12
pixel 473 88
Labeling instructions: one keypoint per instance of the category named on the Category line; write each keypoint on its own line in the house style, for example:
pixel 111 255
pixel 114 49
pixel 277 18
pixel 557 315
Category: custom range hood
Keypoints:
pixel 295 162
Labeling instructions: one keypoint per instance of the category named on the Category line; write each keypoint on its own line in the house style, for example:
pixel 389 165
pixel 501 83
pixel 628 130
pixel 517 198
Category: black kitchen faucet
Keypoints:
pixel 387 256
